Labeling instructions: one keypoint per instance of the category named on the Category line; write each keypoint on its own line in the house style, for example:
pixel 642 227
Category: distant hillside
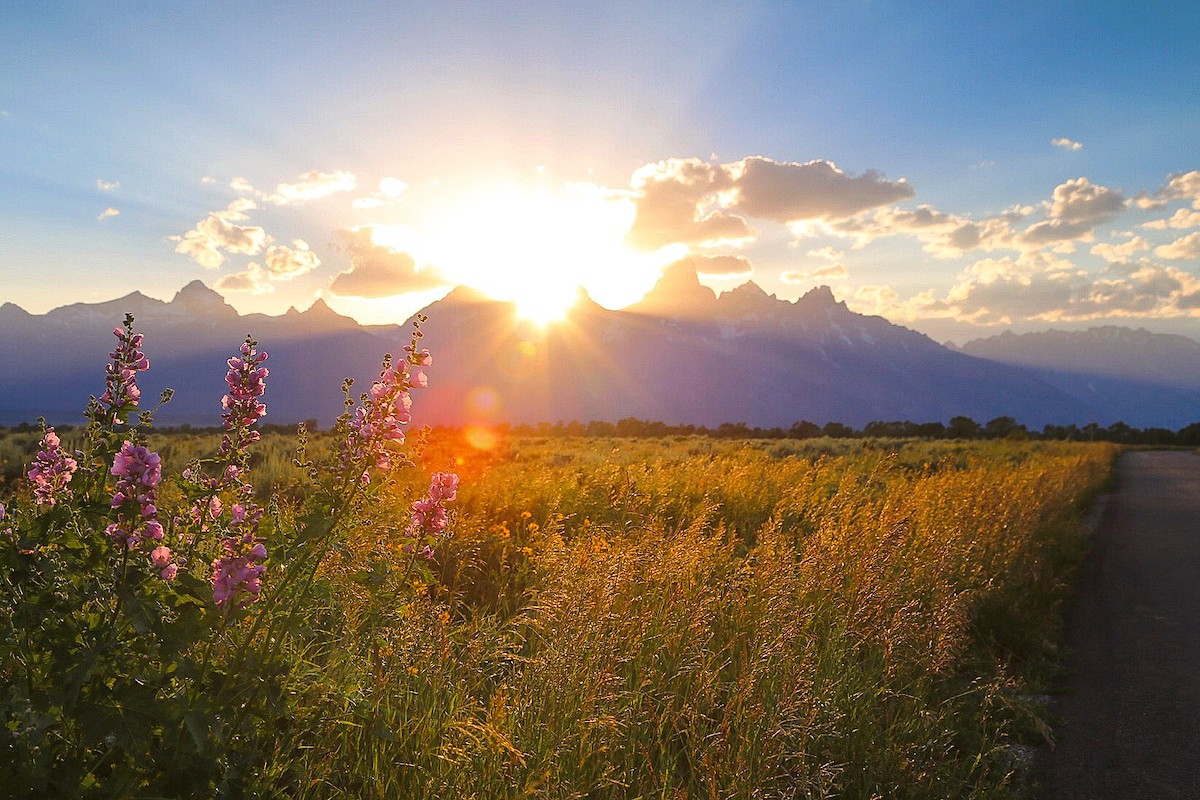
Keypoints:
pixel 1125 374
pixel 682 355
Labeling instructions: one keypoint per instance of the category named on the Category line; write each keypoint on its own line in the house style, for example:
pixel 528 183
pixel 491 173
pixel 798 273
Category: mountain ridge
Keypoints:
pixel 682 355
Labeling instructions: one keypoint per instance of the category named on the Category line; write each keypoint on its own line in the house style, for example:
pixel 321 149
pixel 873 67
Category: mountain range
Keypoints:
pixel 682 355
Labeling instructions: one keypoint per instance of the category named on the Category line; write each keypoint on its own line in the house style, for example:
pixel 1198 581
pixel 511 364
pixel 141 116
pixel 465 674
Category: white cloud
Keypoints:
pixel 675 200
pixel 827 253
pixel 1183 249
pixel 107 186
pixel 377 270
pixel 1116 253
pixel 1182 218
pixel 945 235
pixel 392 187
pixel 792 192
pixel 218 232
pixel 691 201
pixel 1076 208
pixel 108 212
pixel 252 281
pixel 1066 144
pixel 240 184
pixel 389 192
pixel 285 263
pixel 1039 286
pixel 312 185
pixel 208 179
pixel 717 266
pixel 832 272
pixel 1182 186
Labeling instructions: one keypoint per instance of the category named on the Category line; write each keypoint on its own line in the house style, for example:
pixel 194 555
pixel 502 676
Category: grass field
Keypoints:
pixel 671 618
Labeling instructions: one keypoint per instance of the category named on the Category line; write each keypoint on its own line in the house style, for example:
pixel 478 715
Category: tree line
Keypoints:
pixel 960 427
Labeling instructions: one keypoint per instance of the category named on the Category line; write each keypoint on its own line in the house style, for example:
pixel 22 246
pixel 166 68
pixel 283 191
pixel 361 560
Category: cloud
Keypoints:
pixel 1182 186
pixel 716 266
pixel 985 164
pixel 389 192
pixel 831 272
pixel 218 232
pixel 252 281
pixel 240 184
pixel 1076 207
pixel 1182 218
pixel 108 212
pixel 312 185
pixel 691 201
pixel 240 204
pixel 1186 248
pixel 1066 144
pixel 1039 286
pixel 285 263
pixel 792 192
pixel 107 186
pixel 378 270
pixel 945 235
pixel 672 201
pixel 208 179
pixel 827 253
pixel 1116 253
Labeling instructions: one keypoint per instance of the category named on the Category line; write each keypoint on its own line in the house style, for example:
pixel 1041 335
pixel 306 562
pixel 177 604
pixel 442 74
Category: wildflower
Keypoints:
pixel 375 425
pixel 51 471
pixel 429 517
pixel 139 472
pixel 120 386
pixel 444 487
pixel 238 569
pixel 242 408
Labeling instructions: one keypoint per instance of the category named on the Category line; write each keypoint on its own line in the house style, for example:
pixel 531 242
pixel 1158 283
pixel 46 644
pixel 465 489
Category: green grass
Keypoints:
pixel 679 618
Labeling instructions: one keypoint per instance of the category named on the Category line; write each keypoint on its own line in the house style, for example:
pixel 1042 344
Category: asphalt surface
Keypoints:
pixel 1130 715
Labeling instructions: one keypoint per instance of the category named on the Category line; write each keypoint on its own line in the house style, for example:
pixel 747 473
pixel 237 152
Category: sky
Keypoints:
pixel 959 168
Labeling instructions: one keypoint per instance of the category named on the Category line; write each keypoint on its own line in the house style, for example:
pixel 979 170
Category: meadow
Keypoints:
pixel 357 614
pixel 676 617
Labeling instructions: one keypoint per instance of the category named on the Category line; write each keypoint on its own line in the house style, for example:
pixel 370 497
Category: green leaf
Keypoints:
pixel 197 726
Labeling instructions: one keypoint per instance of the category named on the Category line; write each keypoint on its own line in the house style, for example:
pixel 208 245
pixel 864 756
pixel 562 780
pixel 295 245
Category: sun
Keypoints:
pixel 543 305
pixel 538 246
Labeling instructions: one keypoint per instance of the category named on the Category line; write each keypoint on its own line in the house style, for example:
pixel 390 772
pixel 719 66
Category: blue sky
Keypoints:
pixel 376 154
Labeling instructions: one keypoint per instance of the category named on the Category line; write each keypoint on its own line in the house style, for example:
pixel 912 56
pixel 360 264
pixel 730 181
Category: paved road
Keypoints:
pixel 1131 716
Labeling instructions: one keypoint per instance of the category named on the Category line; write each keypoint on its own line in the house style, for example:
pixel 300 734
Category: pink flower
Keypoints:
pixel 429 516
pixel 51 471
pixel 443 486
pixel 120 387
pixel 138 471
pixel 237 571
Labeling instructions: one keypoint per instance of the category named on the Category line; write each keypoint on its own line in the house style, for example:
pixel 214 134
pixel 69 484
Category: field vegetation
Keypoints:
pixel 674 617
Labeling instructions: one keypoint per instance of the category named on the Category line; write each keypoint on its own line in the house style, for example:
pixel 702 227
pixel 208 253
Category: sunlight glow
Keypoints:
pixel 537 246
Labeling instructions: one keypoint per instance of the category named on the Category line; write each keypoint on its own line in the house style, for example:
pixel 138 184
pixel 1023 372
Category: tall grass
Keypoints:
pixel 699 619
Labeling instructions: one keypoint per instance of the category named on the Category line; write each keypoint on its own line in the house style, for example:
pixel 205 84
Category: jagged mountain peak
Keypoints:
pixel 465 295
pixel 749 289
pixel 13 311
pixel 320 315
pixel 196 290
pixel 677 293
pixel 197 300
pixel 818 298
